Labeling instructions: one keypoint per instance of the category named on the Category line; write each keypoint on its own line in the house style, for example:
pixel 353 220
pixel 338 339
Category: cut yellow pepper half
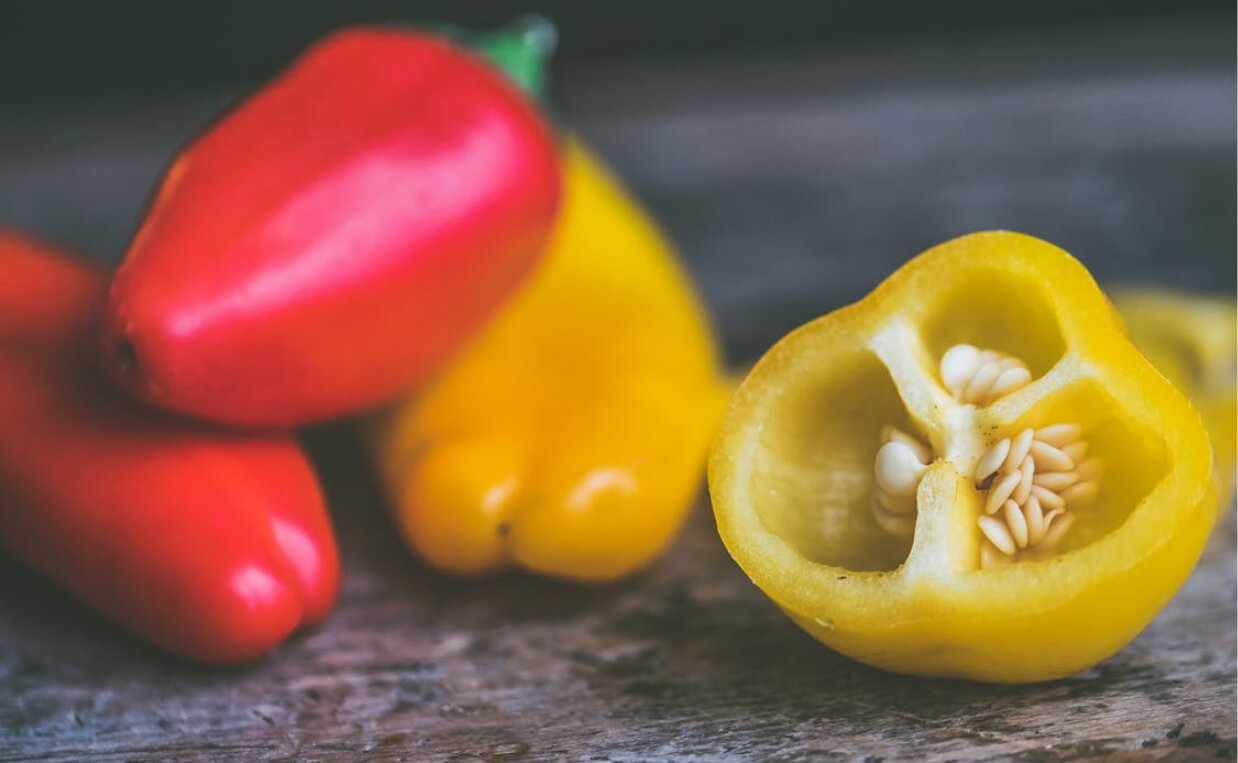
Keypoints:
pixel 1192 339
pixel 570 439
pixel 969 473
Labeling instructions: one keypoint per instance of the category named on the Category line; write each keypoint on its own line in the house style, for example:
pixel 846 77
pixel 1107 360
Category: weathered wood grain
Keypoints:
pixel 688 661
pixel 793 186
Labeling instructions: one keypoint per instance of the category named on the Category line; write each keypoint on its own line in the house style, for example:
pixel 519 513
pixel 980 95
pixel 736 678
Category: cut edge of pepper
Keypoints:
pixel 803 585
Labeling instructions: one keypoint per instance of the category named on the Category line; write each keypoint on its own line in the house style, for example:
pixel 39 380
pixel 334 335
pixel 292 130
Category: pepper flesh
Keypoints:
pixel 1192 339
pixel 214 545
pixel 335 238
pixel 570 439
pixel 790 474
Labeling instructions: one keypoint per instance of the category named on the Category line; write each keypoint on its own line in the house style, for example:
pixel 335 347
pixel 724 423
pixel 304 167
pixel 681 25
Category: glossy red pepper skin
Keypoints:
pixel 335 238
pixel 213 544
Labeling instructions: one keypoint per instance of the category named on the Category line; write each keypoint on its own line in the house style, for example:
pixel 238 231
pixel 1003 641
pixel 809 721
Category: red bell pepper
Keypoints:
pixel 212 544
pixel 332 240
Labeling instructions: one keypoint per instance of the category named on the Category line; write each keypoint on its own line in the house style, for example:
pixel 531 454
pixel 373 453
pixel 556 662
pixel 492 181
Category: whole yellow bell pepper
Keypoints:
pixel 570 439
pixel 1192 339
pixel 971 472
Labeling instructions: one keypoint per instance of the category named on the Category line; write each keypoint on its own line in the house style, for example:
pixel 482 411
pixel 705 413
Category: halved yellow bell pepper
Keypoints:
pixel 1192 339
pixel 971 472
pixel 570 440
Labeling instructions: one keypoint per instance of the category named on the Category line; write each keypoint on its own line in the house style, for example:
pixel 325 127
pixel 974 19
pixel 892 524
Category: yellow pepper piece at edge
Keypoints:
pixel 570 439
pixel 1192 339
pixel 792 473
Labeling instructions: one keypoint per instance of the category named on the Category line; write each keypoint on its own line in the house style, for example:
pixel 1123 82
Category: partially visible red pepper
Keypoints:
pixel 214 545
pixel 336 237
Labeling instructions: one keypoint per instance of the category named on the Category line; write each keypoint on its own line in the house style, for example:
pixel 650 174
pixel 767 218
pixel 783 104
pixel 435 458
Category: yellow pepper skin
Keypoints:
pixel 570 440
pixel 791 472
pixel 1192 340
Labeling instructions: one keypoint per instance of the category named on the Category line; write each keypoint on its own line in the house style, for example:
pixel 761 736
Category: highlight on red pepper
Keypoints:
pixel 214 545
pixel 337 237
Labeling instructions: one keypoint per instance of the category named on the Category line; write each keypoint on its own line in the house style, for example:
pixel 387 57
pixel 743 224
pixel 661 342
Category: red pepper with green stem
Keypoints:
pixel 215 545
pixel 337 237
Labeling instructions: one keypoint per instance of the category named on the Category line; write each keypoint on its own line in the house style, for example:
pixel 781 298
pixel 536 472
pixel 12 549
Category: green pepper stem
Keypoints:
pixel 520 49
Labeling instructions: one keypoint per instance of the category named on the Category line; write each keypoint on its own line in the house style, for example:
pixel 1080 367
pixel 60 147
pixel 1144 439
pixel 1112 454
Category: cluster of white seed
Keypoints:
pixel 901 461
pixel 981 376
pixel 1032 482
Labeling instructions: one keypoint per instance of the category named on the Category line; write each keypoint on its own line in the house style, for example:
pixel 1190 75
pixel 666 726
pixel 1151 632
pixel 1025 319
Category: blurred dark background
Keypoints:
pixel 54 52
pixel 796 152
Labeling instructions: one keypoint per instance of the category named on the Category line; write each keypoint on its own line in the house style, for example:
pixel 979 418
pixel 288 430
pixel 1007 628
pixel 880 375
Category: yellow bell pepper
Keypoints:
pixel 1192 340
pixel 570 440
pixel 970 473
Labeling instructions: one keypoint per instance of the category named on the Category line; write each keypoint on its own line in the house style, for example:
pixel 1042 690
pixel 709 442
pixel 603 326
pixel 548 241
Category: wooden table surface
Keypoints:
pixel 793 186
